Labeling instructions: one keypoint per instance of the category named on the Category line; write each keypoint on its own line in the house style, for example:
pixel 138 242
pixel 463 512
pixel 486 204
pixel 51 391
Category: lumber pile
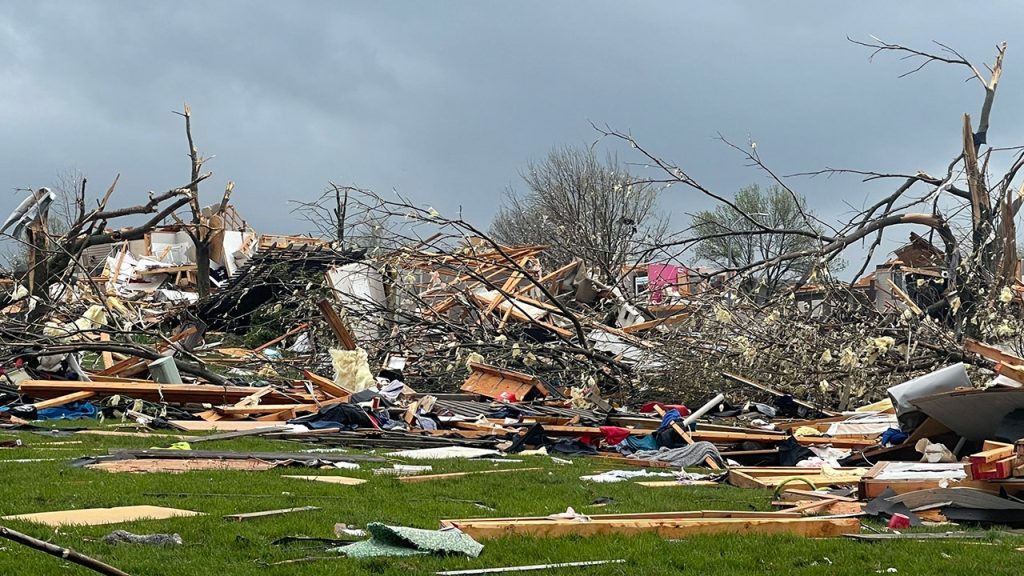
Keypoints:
pixel 996 461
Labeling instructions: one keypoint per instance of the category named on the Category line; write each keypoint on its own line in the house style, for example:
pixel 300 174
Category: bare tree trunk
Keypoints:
pixel 203 267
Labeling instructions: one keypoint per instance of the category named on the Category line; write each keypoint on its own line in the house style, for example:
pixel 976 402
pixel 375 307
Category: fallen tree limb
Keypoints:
pixel 65 553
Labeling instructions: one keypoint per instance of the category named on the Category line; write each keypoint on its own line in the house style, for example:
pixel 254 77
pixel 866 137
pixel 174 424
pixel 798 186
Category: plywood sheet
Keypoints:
pixel 101 516
pixel 145 465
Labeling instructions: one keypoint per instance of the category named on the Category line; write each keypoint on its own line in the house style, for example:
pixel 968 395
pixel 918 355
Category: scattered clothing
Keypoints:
pixel 667 420
pixel 570 447
pixel 614 435
pixel 893 437
pixel 344 416
pixel 791 452
pixel 648 442
pixel 683 457
pixel 72 411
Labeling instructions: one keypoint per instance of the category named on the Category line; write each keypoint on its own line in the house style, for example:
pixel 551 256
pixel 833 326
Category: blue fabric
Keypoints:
pixel 72 411
pixel 893 436
pixel 641 442
pixel 670 417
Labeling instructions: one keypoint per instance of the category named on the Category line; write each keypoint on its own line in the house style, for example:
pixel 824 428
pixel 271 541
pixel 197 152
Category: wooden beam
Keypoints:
pixel 146 390
pixel 991 352
pixel 327 386
pixel 776 393
pixel 1012 371
pixel 266 513
pixel 674 515
pixel 337 325
pixel 62 400
pixel 291 332
pixel 106 356
pixel 429 477
pixel 133 362
pixel 905 298
pixel 807 527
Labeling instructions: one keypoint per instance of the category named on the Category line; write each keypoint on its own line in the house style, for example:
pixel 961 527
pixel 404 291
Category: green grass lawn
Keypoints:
pixel 224 548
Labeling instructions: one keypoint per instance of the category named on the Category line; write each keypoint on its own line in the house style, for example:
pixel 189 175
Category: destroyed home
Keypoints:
pixel 392 387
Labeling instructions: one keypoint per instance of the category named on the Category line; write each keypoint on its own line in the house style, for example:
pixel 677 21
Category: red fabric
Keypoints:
pixel 649 407
pixel 613 434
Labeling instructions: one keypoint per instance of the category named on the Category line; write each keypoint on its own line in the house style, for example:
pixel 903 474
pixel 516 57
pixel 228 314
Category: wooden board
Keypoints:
pixel 673 483
pixel 146 465
pixel 991 352
pixel 492 382
pixel 265 513
pixel 62 400
pixel 771 478
pixel 327 386
pixel 679 515
pixel 429 477
pixel 808 527
pixel 101 516
pixel 224 426
pixel 147 390
pixel 344 480
pixel 337 325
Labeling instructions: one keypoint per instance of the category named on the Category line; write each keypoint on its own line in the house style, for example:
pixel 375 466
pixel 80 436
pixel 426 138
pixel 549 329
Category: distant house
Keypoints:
pixel 918 269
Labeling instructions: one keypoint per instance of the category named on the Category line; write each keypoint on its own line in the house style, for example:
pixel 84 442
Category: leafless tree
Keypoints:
pixel 584 208
pixel 200 229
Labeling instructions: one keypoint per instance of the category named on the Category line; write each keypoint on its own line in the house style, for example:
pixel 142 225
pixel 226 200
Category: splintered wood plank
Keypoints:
pixel 106 355
pixel 337 325
pixel 327 386
pixel 672 483
pixel 65 399
pixel 682 515
pixel 101 516
pixel 132 361
pixel 491 381
pixel 991 352
pixel 992 451
pixel 808 527
pixel 291 332
pixel 265 513
pixel 344 480
pixel 224 426
pixel 429 477
pixel 1011 371
pixel 147 390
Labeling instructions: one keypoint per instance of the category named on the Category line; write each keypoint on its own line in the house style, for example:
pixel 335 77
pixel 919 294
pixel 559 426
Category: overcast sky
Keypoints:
pixel 447 101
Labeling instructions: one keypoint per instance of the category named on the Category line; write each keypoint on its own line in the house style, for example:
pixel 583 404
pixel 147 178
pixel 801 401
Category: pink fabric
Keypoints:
pixel 659 276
